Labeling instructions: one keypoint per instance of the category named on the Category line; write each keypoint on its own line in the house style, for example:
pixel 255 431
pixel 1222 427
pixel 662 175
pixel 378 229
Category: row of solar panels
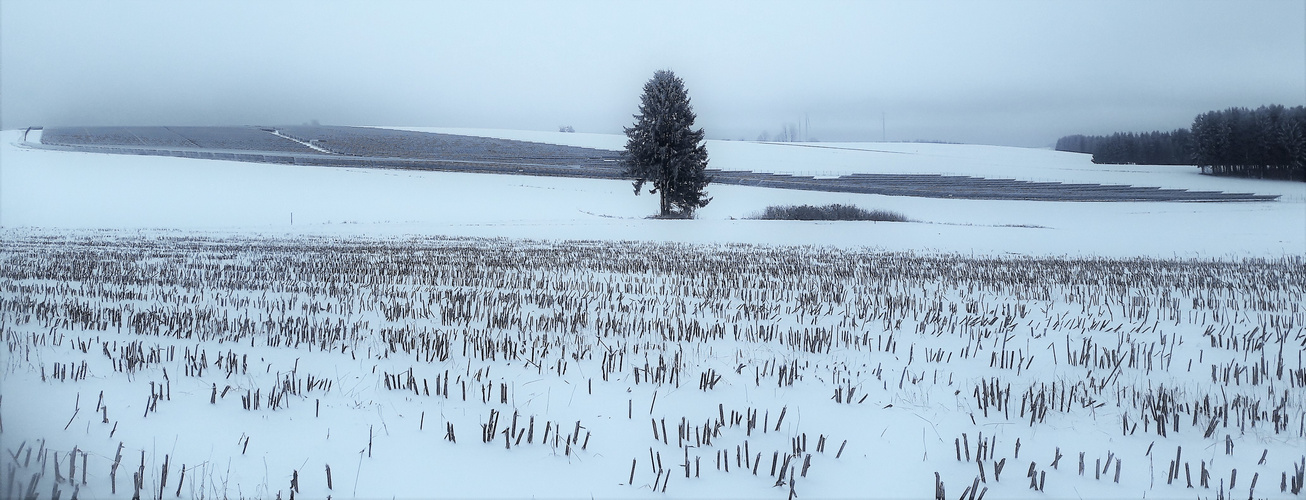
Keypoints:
pixel 346 141
pixel 386 143
pixel 964 187
pixel 224 138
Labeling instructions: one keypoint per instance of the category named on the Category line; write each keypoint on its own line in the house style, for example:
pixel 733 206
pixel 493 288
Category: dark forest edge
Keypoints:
pixel 1267 142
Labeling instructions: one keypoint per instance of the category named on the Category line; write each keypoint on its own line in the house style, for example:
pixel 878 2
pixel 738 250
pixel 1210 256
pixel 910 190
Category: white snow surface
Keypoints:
pixel 51 189
pixel 155 215
pixel 832 159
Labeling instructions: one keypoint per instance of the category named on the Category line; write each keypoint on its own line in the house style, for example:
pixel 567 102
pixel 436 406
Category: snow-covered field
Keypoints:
pixel 84 190
pixel 835 159
pixel 423 334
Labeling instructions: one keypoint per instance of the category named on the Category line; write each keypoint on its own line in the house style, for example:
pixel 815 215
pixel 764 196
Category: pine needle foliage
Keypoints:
pixel 664 150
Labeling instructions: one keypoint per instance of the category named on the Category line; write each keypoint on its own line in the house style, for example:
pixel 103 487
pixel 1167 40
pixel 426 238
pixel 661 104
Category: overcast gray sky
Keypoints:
pixel 996 72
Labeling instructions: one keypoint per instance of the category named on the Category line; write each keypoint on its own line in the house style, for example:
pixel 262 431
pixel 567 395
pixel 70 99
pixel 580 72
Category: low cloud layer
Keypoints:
pixel 1017 73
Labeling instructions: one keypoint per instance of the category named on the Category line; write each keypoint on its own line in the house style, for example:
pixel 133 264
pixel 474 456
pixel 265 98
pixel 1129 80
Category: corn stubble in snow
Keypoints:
pixel 1152 354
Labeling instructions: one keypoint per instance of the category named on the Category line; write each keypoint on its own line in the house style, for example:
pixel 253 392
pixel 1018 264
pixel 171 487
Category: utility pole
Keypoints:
pixel 883 134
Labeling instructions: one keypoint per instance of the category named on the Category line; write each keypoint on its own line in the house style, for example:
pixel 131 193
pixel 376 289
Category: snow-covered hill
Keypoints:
pixel 80 190
pixel 835 159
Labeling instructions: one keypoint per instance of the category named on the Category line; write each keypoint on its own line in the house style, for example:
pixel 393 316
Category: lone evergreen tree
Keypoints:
pixel 663 149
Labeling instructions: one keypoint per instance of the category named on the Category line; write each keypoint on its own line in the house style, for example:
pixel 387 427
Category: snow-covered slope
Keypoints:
pixel 84 190
pixel 835 159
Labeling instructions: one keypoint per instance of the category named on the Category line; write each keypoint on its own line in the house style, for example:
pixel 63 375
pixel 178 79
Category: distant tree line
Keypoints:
pixel 1267 142
pixel 1148 148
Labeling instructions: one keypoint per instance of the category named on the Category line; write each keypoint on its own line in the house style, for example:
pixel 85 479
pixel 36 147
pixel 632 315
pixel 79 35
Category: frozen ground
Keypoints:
pixel 146 302
pixel 430 367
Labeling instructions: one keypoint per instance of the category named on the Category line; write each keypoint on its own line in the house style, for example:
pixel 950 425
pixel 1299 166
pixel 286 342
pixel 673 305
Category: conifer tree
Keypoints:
pixel 664 150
